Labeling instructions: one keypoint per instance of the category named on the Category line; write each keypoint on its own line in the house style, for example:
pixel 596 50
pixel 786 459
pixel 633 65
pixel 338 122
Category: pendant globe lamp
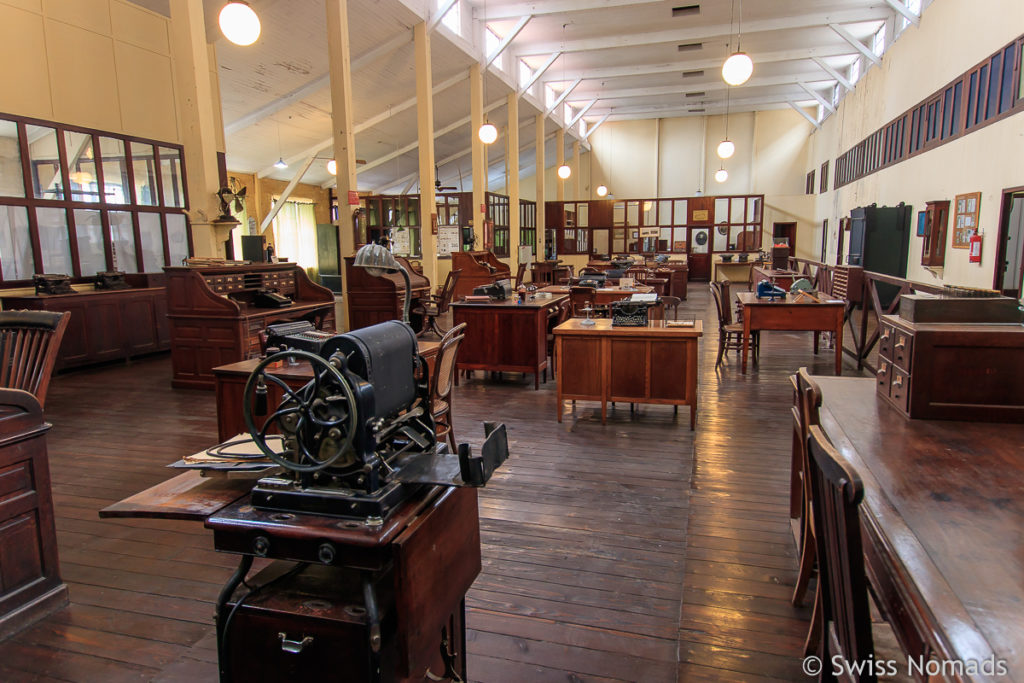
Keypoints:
pixel 738 68
pixel 239 23
pixel 726 148
pixel 488 132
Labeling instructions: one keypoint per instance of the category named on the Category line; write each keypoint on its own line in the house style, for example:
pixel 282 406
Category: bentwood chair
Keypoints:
pixel 807 401
pixel 442 383
pixel 584 297
pixel 29 341
pixel 559 315
pixel 520 274
pixel 434 306
pixel 673 303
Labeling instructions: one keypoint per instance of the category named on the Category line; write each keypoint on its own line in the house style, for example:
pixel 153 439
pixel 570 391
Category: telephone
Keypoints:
pixel 268 299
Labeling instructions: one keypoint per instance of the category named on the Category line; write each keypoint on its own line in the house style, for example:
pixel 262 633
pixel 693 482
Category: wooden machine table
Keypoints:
pixel 653 364
pixel 793 314
pixel 505 336
pixel 370 605
pixel 941 519
pixel 231 379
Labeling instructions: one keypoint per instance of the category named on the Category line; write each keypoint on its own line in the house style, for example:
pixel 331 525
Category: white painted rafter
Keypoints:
pixel 511 11
pixel 287 193
pixel 539 72
pixel 905 11
pixel 561 97
pixel 507 40
pixel 581 113
pixel 821 100
pixel 842 80
pixel 591 129
pixel 800 110
pixel 440 14
pixel 703 87
pixel 857 45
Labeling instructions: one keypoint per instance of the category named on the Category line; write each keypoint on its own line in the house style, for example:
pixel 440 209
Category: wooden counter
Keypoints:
pixel 653 364
pixel 942 517
pixel 505 335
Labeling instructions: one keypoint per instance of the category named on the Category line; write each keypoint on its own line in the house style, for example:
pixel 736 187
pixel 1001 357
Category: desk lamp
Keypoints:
pixel 378 260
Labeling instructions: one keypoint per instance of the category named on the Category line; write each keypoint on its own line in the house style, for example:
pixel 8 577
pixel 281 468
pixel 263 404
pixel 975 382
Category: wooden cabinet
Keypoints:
pixel 653 364
pixel 952 371
pixel 933 247
pixel 105 325
pixel 30 585
pixel 216 318
pixel 478 268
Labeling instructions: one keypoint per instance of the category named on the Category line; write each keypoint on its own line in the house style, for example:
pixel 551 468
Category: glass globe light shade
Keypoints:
pixel 721 175
pixel 602 191
pixel 564 171
pixel 737 68
pixel 726 149
pixel 239 23
pixel 332 167
pixel 488 133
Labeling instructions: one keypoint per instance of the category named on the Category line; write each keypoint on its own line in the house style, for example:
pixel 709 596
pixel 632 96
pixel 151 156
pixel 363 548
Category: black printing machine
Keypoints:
pixel 358 439
pixel 499 290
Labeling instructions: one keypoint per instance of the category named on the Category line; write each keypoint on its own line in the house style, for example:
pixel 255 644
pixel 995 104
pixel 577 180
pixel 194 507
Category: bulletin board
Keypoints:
pixel 965 218
pixel 400 241
pixel 525 253
pixel 447 239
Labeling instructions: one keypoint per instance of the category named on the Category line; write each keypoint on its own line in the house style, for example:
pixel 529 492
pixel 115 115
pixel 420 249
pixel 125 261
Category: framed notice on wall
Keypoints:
pixel 400 241
pixel 447 239
pixel 965 218
pixel 525 253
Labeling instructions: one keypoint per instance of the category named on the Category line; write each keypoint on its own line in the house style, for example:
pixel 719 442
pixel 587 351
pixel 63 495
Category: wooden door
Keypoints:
pixel 701 212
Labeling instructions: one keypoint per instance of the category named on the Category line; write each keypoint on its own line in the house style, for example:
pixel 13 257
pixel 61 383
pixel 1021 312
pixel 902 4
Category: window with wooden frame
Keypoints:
pixel 78 201
pixel 528 224
pixel 809 183
pixel 497 213
pixel 823 185
pixel 988 92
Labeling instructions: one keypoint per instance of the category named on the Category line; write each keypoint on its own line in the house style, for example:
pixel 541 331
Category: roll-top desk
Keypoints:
pixel 373 299
pixel 215 318
pixel 478 268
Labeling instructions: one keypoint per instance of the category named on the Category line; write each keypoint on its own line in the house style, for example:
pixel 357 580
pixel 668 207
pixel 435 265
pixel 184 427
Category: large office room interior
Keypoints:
pixel 145 143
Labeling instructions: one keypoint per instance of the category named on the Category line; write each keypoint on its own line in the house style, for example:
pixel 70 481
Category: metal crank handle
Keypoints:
pixel 294 646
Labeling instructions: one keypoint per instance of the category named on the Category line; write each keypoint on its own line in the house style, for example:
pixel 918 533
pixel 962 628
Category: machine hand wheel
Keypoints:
pixel 318 421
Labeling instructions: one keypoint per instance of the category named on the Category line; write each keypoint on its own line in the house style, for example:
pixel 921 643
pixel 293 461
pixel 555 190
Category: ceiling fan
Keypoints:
pixel 437 183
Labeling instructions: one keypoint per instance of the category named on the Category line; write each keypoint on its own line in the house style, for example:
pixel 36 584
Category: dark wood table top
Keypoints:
pixel 603 326
pixel 301 370
pixel 949 497
pixel 513 302
pixel 615 289
pixel 750 299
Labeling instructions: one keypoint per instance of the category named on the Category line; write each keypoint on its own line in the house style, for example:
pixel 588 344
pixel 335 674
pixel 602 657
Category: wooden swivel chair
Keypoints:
pixel 443 381
pixel 520 274
pixel 29 341
pixel 638 273
pixel 673 303
pixel 559 315
pixel 584 297
pixel 434 306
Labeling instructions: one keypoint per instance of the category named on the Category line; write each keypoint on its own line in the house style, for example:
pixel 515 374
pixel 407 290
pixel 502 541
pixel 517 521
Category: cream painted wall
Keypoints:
pixel 102 64
pixel 919 63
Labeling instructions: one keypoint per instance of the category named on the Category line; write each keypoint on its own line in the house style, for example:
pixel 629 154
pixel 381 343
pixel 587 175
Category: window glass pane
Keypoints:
pixel 15 243
pixel 736 209
pixel 152 242
pixel 754 209
pixel 43 155
pixel 721 210
pixel 679 212
pixel 81 167
pixel 144 169
pixel 1006 96
pixel 177 238
pixel 11 179
pixel 170 176
pixel 115 171
pixel 619 213
pixel 600 241
pixel 721 236
pixel 583 215
pixel 89 230
pixel 633 213
pixel 650 212
pixel 665 239
pixel 123 237
pixel 53 240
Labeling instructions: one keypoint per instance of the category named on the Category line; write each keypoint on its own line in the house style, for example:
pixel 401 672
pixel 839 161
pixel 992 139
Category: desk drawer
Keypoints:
pixel 902 349
pixel 899 390
pixel 883 379
pixel 885 340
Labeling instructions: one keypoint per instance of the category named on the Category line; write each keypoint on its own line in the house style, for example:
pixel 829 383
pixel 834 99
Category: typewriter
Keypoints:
pixel 359 437
pixel 499 291
pixel 301 335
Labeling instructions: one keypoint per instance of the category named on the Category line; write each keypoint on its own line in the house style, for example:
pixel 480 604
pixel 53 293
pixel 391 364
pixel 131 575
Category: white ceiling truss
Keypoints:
pixel 608 60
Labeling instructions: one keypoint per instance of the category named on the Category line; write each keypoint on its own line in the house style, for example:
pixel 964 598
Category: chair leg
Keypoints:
pixel 803 577
pixel 721 348
pixel 813 643
pixel 451 437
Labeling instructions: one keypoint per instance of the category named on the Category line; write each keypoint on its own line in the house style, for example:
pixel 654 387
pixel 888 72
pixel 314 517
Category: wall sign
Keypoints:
pixel 353 198
pixel 447 239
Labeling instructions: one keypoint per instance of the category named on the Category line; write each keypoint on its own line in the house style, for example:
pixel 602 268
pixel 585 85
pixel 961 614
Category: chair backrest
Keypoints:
pixel 806 404
pixel 29 341
pixel 444 369
pixel 520 274
pixel 671 302
pixel 638 273
pixel 716 294
pixel 582 297
pixel 725 289
pixel 448 290
pixel 837 494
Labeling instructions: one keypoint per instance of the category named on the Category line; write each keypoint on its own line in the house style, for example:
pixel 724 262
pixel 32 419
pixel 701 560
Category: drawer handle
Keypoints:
pixel 294 646
pixel 886 335
pixel 897 381
pixel 902 343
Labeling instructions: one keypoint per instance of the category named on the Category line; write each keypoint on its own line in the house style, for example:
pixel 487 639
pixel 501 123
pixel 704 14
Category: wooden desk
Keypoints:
pixel 941 519
pixel 505 335
pixel 653 364
pixel 230 384
pixel 374 299
pixel 605 295
pixel 793 314
pixel 478 268
pixel 783 278
pixel 733 271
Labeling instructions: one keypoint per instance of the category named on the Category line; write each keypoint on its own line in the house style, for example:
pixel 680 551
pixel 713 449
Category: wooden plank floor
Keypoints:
pixel 635 551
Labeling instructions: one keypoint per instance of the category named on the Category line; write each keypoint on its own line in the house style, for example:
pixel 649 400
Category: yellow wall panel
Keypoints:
pixel 146 84
pixel 31 5
pixel 26 86
pixel 93 15
pixel 135 25
pixel 82 77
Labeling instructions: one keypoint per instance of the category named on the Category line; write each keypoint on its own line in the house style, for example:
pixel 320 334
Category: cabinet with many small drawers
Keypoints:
pixel 950 371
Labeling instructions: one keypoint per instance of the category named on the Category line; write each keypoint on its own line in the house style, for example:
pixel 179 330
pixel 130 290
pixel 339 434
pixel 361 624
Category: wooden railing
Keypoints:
pixel 821 276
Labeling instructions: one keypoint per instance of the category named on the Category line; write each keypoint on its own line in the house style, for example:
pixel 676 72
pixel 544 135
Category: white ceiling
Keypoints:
pixel 276 100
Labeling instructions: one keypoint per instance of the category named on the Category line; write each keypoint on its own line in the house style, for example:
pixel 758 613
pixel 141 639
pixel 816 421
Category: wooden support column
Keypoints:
pixel 479 158
pixel 425 135
pixel 513 179
pixel 343 132
pixel 559 160
pixel 539 256
pixel 576 170
pixel 202 130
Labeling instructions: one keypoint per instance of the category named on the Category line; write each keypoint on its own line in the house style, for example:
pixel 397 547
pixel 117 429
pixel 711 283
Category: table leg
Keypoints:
pixel 838 342
pixel 225 594
pixel 558 380
pixel 746 339
pixel 693 416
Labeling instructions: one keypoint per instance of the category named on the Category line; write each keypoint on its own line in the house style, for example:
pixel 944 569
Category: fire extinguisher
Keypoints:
pixel 974 252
